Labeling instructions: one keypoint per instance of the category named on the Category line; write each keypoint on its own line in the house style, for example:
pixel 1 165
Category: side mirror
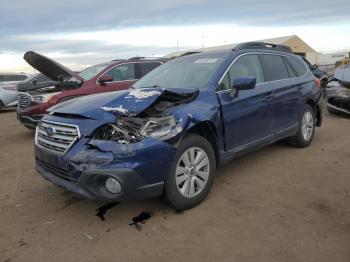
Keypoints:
pixel 243 83
pixel 105 79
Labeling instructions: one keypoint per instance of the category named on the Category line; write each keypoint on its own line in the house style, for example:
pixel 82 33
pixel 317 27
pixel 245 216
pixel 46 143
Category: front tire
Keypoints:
pixel 191 175
pixel 306 128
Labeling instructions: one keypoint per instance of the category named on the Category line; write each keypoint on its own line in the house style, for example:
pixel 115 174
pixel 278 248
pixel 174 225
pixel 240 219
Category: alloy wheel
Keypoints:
pixel 307 126
pixel 192 172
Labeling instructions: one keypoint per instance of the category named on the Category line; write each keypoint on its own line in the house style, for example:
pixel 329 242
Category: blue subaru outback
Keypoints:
pixel 168 133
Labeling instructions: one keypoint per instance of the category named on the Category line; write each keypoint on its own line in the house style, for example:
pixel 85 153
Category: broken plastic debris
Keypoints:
pixel 119 109
pixel 141 218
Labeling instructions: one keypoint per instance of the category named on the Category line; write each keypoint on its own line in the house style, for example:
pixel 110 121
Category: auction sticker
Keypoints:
pixel 205 60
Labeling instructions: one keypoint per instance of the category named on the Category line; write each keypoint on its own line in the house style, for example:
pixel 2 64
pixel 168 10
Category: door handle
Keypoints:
pixel 300 86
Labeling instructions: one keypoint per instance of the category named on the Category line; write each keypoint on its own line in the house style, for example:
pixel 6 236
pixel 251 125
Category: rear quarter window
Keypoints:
pixel 299 68
pixel 274 67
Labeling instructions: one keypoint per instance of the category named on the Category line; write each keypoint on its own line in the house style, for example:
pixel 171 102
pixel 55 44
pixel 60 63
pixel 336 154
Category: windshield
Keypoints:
pixel 187 72
pixel 92 71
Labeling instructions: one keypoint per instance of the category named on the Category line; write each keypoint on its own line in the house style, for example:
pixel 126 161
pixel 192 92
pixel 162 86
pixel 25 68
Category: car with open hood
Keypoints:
pixel 168 133
pixel 67 84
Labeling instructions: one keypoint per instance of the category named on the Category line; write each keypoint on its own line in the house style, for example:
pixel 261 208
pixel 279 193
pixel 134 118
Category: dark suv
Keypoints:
pixel 168 133
pixel 66 84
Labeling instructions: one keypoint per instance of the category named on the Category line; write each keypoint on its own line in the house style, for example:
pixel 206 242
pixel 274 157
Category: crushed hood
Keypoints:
pixel 127 102
pixel 49 67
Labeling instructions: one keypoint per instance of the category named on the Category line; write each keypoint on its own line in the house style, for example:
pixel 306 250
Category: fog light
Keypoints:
pixel 112 185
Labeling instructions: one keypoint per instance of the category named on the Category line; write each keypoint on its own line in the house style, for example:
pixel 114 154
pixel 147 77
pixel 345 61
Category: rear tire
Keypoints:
pixel 306 128
pixel 2 106
pixel 191 175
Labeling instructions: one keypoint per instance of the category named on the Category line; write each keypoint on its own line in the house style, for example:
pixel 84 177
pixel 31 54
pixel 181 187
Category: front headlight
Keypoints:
pixel 161 128
pixel 42 98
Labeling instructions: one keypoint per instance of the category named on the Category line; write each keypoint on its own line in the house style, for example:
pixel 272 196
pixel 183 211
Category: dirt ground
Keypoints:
pixel 277 204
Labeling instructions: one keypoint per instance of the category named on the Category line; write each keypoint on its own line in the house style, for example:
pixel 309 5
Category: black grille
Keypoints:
pixel 57 171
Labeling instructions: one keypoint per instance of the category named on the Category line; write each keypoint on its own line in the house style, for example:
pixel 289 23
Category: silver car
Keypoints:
pixel 8 89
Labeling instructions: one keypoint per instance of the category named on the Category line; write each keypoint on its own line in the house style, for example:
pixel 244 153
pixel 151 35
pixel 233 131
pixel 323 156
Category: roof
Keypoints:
pixel 293 41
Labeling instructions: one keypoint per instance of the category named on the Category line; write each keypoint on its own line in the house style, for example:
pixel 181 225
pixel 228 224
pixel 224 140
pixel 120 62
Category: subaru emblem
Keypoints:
pixel 50 131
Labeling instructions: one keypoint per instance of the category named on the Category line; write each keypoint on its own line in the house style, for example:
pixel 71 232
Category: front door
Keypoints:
pixel 248 117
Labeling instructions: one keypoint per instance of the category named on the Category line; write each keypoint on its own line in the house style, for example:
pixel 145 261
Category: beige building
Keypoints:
pixel 293 41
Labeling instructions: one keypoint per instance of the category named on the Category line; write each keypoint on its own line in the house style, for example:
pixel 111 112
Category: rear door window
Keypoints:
pixel 298 66
pixel 275 69
pixel 145 68
pixel 123 72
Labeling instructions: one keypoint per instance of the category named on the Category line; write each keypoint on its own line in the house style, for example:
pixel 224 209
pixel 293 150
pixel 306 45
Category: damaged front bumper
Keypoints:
pixel 140 168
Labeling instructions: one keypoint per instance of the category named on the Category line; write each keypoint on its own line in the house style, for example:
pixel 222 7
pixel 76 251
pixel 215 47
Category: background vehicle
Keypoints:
pixel 193 113
pixel 8 89
pixel 31 82
pixel 338 92
pixel 8 97
pixel 12 78
pixel 106 77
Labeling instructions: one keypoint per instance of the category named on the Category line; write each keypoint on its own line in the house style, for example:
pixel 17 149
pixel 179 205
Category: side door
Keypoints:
pixel 286 92
pixel 123 75
pixel 143 68
pixel 247 115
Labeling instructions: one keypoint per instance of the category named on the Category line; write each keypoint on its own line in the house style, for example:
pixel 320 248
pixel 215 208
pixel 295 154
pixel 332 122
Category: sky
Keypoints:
pixel 82 33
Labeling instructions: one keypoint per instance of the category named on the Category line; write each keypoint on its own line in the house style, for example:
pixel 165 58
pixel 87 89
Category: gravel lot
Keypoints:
pixel 277 204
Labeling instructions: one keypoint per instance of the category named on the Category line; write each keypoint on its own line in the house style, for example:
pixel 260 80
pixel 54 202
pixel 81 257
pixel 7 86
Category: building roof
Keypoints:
pixel 293 41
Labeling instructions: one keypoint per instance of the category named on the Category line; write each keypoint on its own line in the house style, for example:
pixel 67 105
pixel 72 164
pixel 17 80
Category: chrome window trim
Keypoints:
pixel 125 63
pixel 259 53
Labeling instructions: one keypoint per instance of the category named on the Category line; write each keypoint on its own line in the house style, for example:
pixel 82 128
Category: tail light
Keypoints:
pixel 11 88
pixel 318 82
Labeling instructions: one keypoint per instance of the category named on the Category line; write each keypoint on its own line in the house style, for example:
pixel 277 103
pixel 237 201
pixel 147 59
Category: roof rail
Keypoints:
pixel 190 53
pixel 262 45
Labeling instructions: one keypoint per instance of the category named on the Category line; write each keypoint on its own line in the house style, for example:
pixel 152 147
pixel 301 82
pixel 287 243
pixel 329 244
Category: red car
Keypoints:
pixel 66 84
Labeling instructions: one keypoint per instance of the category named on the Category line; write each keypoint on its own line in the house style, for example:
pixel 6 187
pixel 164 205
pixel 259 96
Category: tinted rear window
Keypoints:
pixel 298 66
pixel 275 68
pixel 145 68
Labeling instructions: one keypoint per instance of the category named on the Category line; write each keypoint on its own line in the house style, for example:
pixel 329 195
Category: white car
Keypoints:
pixel 8 89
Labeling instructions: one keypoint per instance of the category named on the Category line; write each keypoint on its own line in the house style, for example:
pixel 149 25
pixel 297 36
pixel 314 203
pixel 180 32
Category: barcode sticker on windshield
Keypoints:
pixel 205 60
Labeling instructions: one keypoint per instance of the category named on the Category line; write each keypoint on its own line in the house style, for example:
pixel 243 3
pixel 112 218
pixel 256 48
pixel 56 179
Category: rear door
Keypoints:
pixel 286 92
pixel 248 117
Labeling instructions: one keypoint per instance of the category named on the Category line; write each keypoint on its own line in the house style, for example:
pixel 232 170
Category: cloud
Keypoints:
pixel 80 33
pixel 18 16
